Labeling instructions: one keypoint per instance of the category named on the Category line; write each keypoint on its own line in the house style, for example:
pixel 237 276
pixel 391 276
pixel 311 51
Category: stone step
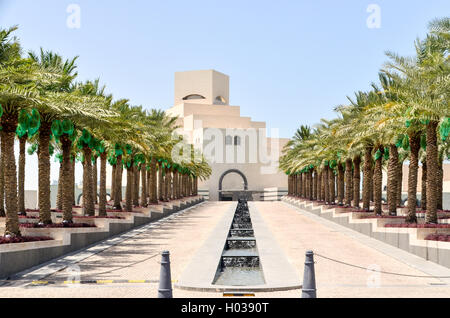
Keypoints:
pixel 240 253
pixel 241 238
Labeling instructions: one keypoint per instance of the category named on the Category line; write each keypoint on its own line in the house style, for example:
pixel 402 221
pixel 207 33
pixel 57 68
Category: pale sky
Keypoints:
pixel 289 62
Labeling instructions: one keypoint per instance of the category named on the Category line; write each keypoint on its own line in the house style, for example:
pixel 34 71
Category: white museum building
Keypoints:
pixel 242 157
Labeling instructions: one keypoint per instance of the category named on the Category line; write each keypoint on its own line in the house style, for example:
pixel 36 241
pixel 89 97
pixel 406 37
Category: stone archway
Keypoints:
pixel 228 172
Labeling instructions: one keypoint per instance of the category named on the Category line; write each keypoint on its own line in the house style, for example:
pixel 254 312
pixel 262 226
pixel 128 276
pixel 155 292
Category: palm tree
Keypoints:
pixel 54 101
pixel 424 94
pixel 17 91
pixel 414 91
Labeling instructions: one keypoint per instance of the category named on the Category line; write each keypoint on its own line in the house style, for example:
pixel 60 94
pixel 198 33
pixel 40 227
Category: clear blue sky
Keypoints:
pixel 290 62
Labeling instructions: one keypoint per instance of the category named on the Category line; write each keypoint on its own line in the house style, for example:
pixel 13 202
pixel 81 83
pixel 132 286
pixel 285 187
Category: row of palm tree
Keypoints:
pixel 42 104
pixel 405 117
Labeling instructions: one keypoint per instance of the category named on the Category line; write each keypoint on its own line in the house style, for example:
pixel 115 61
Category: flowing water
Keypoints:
pixel 240 264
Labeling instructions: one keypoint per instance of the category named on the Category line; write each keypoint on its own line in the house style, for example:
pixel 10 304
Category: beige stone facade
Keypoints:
pixel 229 141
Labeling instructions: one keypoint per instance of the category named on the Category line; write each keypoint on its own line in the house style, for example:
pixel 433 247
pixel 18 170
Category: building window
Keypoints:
pixel 193 96
pixel 220 100
pixel 228 140
pixel 237 140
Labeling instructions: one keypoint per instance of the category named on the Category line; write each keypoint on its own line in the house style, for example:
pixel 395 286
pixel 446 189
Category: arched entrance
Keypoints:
pixel 229 197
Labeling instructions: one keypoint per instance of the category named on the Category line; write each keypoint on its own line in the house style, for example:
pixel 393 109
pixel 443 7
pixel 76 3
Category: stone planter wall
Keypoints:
pixel 408 239
pixel 17 257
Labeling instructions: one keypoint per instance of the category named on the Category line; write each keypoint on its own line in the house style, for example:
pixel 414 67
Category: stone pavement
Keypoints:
pixel 298 232
pixel 137 258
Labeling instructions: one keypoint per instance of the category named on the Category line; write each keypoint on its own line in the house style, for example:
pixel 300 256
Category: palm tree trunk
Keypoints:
pixel 143 202
pixel 293 184
pixel 289 185
pixel 305 185
pixel 180 184
pixel 356 181
pixel 372 192
pixel 341 184
pixel 188 185
pixel 195 185
pixel 332 186
pixel 348 182
pixel 423 200
pixel 392 181
pixel 399 182
pixel 326 185
pixel 59 196
pixel 118 185
pixel 2 181
pixel 44 173
pixel 22 144
pixel 322 186
pixel 160 183
pixel 310 181
pixel 129 189
pixel 377 183
pixel 414 143
pixel 315 185
pixel 95 181
pixel 152 184
pixel 136 184
pixel 175 184
pixel 102 197
pixel 88 199
pixel 351 185
pixel 9 125
pixel 164 178
pixel 166 185
pixel 72 181
pixel 440 184
pixel 148 174
pixel 171 186
pixel 302 185
pixel 65 181
pixel 113 182
pixel 432 172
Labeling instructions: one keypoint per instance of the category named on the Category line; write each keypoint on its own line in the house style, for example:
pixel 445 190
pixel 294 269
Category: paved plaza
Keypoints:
pixel 137 258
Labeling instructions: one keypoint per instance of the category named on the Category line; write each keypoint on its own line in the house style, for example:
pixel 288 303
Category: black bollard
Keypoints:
pixel 309 277
pixel 165 280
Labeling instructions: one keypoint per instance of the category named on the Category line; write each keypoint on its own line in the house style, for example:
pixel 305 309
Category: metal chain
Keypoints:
pixel 382 272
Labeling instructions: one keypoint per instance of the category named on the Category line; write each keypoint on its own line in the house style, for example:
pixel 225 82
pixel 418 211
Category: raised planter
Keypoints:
pixel 409 239
pixel 16 257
